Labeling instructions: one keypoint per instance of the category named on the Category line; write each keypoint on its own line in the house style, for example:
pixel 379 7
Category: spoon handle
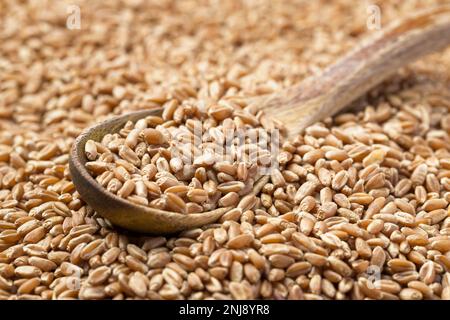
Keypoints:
pixel 359 71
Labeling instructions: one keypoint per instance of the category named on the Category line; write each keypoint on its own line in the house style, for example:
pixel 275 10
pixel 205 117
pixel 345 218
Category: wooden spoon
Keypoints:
pixel 315 98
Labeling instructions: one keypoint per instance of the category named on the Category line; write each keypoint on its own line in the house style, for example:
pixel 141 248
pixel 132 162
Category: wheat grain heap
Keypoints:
pixel 359 208
pixel 185 161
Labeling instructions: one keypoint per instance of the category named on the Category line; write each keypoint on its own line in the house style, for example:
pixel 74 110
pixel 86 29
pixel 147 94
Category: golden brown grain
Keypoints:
pixel 364 191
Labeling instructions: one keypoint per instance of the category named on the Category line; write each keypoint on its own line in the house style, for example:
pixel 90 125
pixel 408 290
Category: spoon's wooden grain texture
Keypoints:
pixel 297 107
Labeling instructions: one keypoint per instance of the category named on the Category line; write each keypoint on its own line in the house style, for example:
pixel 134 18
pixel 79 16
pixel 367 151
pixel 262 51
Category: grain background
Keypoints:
pixel 133 55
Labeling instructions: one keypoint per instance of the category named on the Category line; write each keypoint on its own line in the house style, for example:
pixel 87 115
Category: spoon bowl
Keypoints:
pixel 118 210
